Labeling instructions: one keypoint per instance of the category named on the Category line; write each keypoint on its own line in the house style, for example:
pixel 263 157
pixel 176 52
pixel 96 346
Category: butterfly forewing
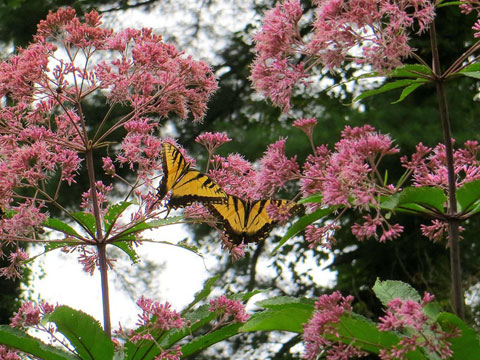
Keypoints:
pixel 186 185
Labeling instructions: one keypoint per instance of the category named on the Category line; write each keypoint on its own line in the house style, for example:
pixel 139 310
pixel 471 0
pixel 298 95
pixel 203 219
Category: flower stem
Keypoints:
pixel 102 259
pixel 100 242
pixel 455 266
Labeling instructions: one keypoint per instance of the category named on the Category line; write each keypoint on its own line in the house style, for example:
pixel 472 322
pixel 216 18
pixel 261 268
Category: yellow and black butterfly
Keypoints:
pixel 185 185
pixel 247 221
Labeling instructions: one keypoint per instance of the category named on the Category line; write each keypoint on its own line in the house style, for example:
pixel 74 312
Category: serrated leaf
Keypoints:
pixel 87 221
pixel 127 248
pixel 114 212
pixel 387 87
pixel 55 224
pixel 83 332
pixel 407 91
pixel 467 345
pixel 467 196
pixel 391 289
pixel 17 339
pixel 301 224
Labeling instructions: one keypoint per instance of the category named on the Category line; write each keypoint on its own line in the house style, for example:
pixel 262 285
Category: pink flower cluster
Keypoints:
pixel 239 177
pixel 30 314
pixel 156 316
pixel 349 177
pixel 321 329
pixel 228 310
pixel 45 134
pixel 379 28
pixel 429 165
pixel 422 331
pixel 212 141
pixel 16 261
pixel 7 354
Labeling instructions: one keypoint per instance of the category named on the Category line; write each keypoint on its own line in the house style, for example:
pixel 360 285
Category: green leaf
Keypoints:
pixel 127 248
pixel 283 313
pixel 468 197
pixel 413 71
pixel 415 199
pixel 17 339
pixel 87 220
pixel 203 293
pixel 202 342
pixel 114 212
pixel 368 337
pixel 55 224
pixel 391 289
pixel 148 349
pixel 282 302
pixel 465 347
pixel 475 75
pixel 301 224
pixel 83 332
pixel 315 198
pixel 388 87
pixel 151 225
pixel 407 91
pixel 471 68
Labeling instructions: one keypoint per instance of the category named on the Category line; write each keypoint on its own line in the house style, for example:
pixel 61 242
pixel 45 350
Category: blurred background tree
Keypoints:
pixel 252 124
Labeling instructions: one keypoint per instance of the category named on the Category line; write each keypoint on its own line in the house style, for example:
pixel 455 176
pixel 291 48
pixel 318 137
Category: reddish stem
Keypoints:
pixel 455 265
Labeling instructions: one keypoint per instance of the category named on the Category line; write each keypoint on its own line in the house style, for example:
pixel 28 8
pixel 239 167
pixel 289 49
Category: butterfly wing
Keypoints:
pixel 174 167
pixel 186 185
pixel 195 186
pixel 245 221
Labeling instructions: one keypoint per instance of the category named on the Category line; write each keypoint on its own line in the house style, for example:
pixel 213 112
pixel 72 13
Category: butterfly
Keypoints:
pixel 247 221
pixel 186 185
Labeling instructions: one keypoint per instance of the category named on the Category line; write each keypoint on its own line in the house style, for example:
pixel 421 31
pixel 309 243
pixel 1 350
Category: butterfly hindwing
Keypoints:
pixel 246 221
pixel 185 185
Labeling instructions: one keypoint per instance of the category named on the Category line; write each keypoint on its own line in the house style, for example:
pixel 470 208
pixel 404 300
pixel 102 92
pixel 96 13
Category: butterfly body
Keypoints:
pixel 186 185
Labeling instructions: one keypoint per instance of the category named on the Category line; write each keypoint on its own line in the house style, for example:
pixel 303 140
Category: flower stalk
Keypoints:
pixel 453 231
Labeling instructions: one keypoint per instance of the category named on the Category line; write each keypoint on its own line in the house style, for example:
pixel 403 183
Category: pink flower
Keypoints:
pixel 16 259
pixel 170 354
pixel 275 169
pixel 323 235
pixel 320 334
pixel 30 314
pixel 379 29
pixel 429 166
pixel 157 316
pixel 212 141
pixel 227 309
pixel 306 125
pixel 7 354
pixel 236 176
pixel 422 331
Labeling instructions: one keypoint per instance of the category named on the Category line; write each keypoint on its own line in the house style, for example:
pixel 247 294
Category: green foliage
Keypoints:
pixel 19 340
pixel 388 290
